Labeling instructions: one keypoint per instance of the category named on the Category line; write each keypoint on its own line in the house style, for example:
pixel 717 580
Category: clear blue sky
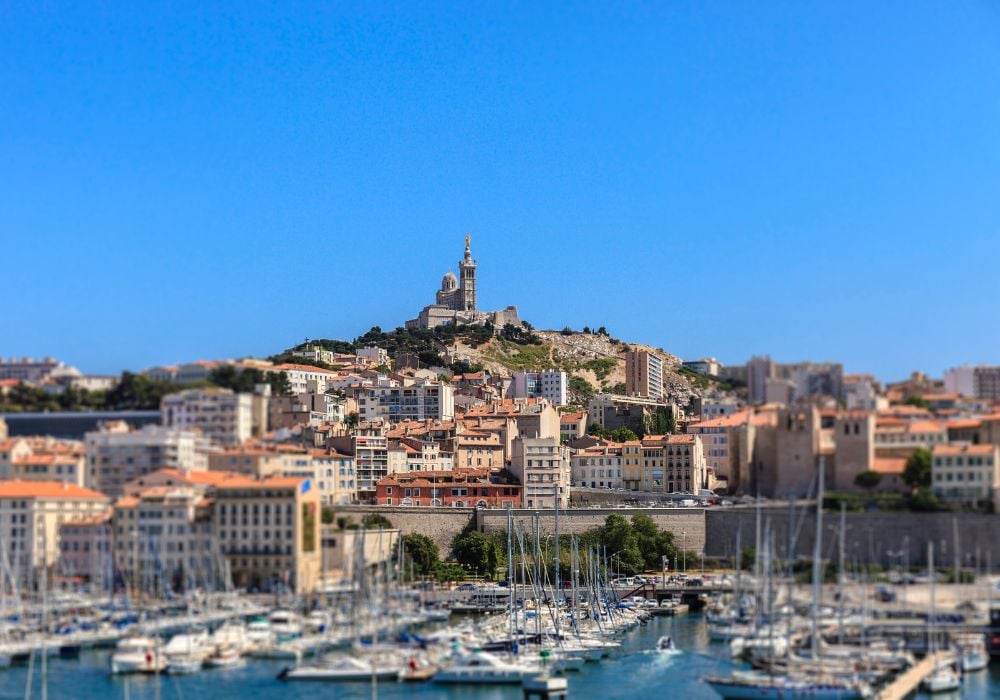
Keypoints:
pixel 813 181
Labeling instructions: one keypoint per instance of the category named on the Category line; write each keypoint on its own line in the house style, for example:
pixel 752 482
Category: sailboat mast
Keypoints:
pixel 817 553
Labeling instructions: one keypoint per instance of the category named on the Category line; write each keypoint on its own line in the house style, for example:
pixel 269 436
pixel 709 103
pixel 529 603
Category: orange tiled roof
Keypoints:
pixel 889 465
pixel 46 489
pixel 956 450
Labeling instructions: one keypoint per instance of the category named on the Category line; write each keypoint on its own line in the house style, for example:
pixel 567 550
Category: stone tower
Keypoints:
pixel 467 283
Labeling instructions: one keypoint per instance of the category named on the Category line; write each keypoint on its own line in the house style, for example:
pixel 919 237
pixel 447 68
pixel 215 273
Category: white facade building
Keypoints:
pixel 550 384
pixel 542 466
pixel 118 455
pixel 221 415
pixel 424 400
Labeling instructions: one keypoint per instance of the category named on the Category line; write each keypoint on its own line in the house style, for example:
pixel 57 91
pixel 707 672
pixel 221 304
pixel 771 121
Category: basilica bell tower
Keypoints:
pixel 467 281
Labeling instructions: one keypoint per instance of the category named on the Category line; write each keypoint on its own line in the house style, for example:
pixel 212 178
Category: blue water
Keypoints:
pixel 637 672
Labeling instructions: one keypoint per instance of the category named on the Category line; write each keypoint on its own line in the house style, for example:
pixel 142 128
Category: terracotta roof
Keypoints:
pixel 303 368
pixel 957 450
pixel 200 476
pixel 46 489
pixel 964 423
pixel 244 482
pixel 888 465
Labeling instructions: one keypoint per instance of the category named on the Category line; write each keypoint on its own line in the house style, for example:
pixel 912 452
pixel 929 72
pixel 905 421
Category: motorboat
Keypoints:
pixel 259 634
pixel 226 656
pixel 483 668
pixel 971 651
pixel 944 679
pixel 749 684
pixel 183 665
pixel 344 668
pixel 666 643
pixel 231 634
pixel 285 625
pixel 137 655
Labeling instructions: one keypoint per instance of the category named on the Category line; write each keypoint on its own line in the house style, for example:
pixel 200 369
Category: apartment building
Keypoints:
pixel 895 437
pixel 423 400
pixel 222 416
pixel 42 459
pixel 598 467
pixel 727 443
pixel 550 384
pixel 516 417
pixel 665 463
pixel 85 550
pixel 572 426
pixel 268 532
pixel 968 474
pixel 164 541
pixel 644 374
pixel 307 378
pixel 977 381
pixel 480 449
pixel 542 466
pixel 373 355
pixel 31 513
pixel 463 488
pixel 116 454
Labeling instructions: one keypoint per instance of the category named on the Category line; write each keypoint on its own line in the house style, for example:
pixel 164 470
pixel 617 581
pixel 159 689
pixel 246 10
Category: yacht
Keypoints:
pixel 761 686
pixel 344 668
pixel 285 625
pixel 943 680
pixel 137 655
pixel 259 634
pixel 225 656
pixel 971 651
pixel 482 668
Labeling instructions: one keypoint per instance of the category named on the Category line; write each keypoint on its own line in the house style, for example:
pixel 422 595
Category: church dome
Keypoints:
pixel 449 282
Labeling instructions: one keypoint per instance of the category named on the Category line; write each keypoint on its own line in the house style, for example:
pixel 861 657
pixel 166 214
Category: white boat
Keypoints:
pixel 482 668
pixel 757 686
pixel 224 657
pixel 972 654
pixel 230 634
pixel 344 668
pixel 666 643
pixel 943 680
pixel 137 655
pixel 188 644
pixel 183 665
pixel 285 625
pixel 259 634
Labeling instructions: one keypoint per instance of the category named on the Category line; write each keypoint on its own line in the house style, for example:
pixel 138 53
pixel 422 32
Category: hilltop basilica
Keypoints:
pixel 455 302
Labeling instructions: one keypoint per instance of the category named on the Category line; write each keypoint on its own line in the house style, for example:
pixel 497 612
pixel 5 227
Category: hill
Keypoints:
pixel 595 361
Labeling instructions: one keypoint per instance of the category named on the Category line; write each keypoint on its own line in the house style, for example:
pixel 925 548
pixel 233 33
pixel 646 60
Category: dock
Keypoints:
pixel 909 681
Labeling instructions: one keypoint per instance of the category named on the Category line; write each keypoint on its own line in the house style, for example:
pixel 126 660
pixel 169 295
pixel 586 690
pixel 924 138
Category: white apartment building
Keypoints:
pixel 31 513
pixel 374 354
pixel 598 467
pixel 717 407
pixel 542 466
pixel 221 415
pixel 550 384
pixel 966 473
pixel 425 400
pixel 116 455
pixel 28 369
pixel 306 378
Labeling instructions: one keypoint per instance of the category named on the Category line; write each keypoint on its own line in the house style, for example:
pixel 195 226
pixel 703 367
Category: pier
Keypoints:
pixel 909 681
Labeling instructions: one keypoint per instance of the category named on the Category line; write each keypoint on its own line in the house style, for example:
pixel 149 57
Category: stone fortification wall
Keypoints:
pixel 884 538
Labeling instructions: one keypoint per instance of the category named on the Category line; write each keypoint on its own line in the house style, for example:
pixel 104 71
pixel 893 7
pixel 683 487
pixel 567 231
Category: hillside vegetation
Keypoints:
pixel 595 361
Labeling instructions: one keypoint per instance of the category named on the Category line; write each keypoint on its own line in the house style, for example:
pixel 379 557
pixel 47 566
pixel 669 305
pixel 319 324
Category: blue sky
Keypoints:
pixel 809 180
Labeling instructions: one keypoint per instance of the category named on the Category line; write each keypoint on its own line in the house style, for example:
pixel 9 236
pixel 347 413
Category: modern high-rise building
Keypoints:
pixel 542 466
pixel 760 368
pixel 644 374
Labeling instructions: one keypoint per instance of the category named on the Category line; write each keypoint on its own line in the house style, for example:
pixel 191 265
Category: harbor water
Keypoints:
pixel 636 672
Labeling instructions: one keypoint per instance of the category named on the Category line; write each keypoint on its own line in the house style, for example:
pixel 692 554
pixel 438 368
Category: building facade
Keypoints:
pixel 550 384
pixel 222 416
pixel 542 466
pixel 117 454
pixel 644 374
